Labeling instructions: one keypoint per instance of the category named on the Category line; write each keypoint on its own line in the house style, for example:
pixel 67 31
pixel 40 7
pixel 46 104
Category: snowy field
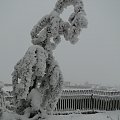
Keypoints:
pixel 114 115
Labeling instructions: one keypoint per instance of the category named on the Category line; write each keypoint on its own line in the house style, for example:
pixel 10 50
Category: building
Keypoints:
pixel 88 99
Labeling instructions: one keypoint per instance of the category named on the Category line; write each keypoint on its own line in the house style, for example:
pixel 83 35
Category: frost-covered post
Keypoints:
pixel 37 78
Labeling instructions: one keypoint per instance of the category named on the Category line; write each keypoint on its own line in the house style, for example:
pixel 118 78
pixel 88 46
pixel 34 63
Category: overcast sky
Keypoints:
pixel 95 58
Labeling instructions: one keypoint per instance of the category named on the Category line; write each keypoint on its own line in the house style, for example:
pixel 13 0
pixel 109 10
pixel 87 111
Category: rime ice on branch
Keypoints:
pixel 37 78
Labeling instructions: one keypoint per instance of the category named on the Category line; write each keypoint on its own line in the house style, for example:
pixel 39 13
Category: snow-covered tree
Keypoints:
pixel 37 78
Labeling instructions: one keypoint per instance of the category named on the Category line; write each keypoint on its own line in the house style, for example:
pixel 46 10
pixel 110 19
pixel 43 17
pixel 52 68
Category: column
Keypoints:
pixel 89 103
pixel 99 106
pixel 93 102
pixel 97 103
pixel 115 103
pixel 73 104
pixel 62 104
pixel 102 104
pixel 111 104
pixel 76 103
pixel 85 103
pixel 67 104
pixel 105 104
pixel 70 103
pixel 78 106
pixel 79 103
pixel 112 107
pixel 109 101
pixel 82 103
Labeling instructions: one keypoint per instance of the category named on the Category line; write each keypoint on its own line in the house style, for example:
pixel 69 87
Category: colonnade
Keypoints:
pixel 88 102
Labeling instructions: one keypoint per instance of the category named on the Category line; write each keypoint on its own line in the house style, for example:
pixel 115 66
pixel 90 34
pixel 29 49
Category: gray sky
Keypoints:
pixel 95 58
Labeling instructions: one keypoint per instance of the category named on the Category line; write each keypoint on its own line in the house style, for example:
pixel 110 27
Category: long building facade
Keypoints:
pixel 88 99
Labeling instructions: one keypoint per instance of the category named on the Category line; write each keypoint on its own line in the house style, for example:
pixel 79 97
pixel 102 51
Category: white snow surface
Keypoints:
pixel 105 115
pixel 111 115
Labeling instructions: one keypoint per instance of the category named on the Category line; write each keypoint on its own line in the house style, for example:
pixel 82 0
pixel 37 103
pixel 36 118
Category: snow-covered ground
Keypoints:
pixel 113 115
